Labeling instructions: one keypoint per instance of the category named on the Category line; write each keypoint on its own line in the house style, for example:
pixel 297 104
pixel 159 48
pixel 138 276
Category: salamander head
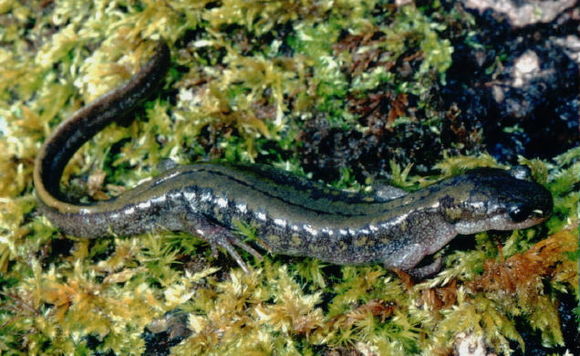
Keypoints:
pixel 493 199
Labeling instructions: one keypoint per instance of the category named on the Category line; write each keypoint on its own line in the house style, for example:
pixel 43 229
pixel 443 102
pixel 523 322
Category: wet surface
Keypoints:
pixel 510 91
pixel 517 94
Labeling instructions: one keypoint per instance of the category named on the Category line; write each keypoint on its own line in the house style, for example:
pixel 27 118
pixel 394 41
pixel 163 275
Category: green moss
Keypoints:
pixel 244 76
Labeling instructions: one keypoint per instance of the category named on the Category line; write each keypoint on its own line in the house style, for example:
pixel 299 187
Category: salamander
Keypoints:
pixel 290 214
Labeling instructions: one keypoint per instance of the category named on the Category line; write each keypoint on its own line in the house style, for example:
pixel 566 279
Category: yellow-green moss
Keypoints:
pixel 230 78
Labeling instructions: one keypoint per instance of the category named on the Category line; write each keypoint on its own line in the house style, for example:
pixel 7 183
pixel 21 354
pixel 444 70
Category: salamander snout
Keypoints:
pixel 500 201
pixel 522 212
pixel 534 204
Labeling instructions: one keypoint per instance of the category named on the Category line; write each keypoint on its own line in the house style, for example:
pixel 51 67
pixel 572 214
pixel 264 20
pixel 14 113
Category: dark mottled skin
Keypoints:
pixel 291 215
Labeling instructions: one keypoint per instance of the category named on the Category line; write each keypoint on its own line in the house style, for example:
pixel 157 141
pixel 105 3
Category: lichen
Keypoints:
pixel 244 77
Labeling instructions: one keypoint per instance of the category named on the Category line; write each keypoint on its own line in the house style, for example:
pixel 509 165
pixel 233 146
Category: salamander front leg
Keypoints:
pixel 408 257
pixel 428 270
pixel 219 236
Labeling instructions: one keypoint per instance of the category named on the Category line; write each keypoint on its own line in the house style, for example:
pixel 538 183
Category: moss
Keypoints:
pixel 244 76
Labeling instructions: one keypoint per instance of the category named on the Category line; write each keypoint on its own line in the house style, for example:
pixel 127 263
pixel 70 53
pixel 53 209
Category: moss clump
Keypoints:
pixel 244 77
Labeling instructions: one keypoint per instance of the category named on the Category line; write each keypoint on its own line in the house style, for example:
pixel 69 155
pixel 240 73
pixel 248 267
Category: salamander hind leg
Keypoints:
pixel 385 192
pixel 218 236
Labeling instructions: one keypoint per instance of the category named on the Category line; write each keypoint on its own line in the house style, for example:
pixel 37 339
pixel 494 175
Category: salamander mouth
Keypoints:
pixel 537 216
pixel 521 214
pixel 539 213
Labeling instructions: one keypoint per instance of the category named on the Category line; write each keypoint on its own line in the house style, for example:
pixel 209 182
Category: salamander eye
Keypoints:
pixel 519 213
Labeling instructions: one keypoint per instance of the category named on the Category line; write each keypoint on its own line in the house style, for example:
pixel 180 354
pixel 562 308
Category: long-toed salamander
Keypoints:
pixel 291 214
